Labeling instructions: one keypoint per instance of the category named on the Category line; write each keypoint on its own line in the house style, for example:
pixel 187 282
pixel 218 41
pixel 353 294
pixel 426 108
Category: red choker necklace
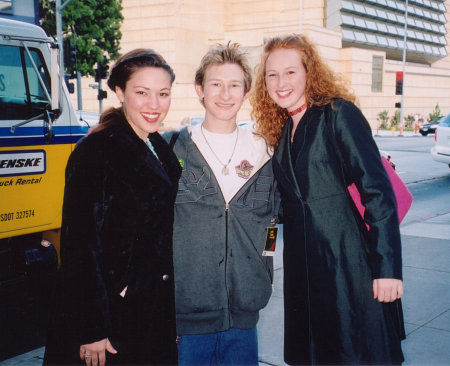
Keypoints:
pixel 298 110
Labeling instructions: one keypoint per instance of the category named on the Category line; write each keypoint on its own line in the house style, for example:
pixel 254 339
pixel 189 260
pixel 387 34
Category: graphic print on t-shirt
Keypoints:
pixel 244 169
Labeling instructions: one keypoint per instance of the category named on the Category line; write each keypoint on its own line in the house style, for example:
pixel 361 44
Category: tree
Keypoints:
pixel 395 119
pixel 436 113
pixel 93 26
pixel 383 119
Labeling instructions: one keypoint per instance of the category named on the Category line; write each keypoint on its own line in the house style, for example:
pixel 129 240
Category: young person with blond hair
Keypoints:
pixel 224 204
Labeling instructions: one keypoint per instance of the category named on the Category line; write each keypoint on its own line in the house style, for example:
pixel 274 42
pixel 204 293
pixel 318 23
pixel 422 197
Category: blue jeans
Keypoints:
pixel 232 347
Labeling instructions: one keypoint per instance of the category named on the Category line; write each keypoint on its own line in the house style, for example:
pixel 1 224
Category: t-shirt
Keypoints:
pixel 250 154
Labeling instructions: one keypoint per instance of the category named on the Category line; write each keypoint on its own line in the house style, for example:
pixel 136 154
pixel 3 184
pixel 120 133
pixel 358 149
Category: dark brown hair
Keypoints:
pixel 122 71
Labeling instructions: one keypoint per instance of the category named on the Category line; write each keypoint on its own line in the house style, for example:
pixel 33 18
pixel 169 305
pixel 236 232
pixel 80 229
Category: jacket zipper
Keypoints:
pixel 227 206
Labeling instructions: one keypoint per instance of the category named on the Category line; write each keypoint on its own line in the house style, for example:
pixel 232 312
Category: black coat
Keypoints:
pixel 116 232
pixel 330 260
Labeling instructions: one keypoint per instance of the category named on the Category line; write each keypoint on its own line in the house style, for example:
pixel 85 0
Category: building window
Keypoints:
pixel 360 23
pixel 392 30
pixel 348 35
pixel 381 24
pixel 372 39
pixel 347 20
pixel 382 41
pixel 377 74
pixel 393 43
pixel 360 37
pixel 420 47
pixel 6 6
pixel 391 4
pixel 382 27
pixel 371 11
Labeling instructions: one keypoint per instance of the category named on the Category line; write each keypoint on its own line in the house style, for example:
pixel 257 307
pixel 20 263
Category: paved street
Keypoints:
pixel 426 260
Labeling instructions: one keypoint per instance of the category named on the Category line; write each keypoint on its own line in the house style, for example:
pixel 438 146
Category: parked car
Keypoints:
pixel 431 126
pixel 441 149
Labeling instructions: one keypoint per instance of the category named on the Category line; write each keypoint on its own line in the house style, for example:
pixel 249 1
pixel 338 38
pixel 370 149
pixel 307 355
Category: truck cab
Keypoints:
pixel 38 130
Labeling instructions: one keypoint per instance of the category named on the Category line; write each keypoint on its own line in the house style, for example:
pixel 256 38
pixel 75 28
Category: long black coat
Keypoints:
pixel 116 232
pixel 330 260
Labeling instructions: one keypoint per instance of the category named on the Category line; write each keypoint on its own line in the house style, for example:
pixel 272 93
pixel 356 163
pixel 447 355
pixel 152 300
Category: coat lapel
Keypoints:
pixel 170 166
pixel 283 167
pixel 143 157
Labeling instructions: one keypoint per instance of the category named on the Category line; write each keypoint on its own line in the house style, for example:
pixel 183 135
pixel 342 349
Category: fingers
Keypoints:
pixel 88 358
pixel 387 289
pixel 93 354
pixel 92 359
pixel 102 358
pixel 82 352
pixel 109 347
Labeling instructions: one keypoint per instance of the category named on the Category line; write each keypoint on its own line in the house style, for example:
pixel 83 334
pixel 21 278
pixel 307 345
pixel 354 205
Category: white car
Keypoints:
pixel 441 149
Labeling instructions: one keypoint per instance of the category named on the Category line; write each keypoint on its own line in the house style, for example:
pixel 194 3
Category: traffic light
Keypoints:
pixel 70 86
pixel 102 94
pixel 70 53
pixel 399 83
pixel 102 70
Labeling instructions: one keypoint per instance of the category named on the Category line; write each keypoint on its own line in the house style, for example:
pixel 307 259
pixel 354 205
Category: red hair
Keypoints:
pixel 322 86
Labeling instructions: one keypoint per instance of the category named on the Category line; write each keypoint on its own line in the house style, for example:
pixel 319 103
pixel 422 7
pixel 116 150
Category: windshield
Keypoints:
pixel 21 94
pixel 445 121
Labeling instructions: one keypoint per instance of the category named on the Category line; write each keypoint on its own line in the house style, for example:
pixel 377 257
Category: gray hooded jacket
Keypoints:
pixel 221 278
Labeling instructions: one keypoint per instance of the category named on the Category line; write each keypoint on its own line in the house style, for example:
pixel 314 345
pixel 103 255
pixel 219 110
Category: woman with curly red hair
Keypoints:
pixel 342 282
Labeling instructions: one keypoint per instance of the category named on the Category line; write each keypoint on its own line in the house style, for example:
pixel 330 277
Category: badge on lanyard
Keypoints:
pixel 271 241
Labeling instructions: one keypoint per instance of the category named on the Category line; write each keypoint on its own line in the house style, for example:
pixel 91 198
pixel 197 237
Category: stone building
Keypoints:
pixel 362 39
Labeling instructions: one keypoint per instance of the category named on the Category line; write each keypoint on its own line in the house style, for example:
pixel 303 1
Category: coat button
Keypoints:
pixel 165 277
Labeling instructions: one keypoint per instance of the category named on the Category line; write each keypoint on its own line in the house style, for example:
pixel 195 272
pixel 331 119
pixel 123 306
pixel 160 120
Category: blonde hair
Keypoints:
pixel 221 54
pixel 322 86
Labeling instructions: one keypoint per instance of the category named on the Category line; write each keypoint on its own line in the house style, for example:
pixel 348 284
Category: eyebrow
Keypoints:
pixel 284 68
pixel 233 80
pixel 144 87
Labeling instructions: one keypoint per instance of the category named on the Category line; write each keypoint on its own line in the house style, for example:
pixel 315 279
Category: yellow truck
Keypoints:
pixel 38 130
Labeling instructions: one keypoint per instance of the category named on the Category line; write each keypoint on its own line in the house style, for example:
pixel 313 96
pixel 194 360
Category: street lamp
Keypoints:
pixel 403 64
pixel 58 13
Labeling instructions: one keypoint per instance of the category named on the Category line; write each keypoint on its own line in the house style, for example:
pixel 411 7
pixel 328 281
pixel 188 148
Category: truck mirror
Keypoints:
pixel 48 131
pixel 56 83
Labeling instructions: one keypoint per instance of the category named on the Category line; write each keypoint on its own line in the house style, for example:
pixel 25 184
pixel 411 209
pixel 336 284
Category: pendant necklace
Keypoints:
pixel 225 170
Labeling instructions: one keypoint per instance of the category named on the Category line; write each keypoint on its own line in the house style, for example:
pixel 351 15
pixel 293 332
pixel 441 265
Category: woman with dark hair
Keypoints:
pixel 115 291
pixel 342 282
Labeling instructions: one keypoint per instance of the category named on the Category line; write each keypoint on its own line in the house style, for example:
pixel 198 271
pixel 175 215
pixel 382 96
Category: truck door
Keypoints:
pixel 33 149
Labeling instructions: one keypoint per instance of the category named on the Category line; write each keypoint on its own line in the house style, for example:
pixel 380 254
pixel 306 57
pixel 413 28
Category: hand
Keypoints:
pixel 387 289
pixel 93 354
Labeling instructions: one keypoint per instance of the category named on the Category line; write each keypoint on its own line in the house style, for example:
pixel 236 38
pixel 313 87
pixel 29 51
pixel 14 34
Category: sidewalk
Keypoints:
pixel 426 270
pixel 396 133
pixel 426 303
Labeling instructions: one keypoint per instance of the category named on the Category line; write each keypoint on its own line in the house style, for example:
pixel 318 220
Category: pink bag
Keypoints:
pixel 403 196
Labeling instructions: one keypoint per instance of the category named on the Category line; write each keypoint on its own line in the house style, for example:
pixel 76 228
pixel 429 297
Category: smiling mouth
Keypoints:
pixel 150 117
pixel 226 106
pixel 284 93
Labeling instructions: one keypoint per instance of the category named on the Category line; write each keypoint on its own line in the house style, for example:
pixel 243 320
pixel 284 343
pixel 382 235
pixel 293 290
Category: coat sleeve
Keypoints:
pixel 362 157
pixel 85 205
